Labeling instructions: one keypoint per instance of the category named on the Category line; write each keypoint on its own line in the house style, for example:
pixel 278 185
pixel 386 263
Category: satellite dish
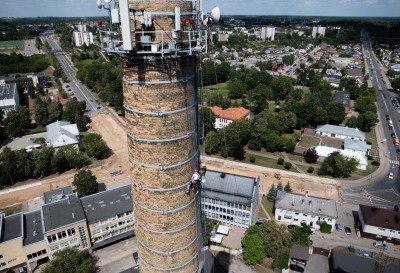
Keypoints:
pixel 99 4
pixel 215 14
pixel 106 1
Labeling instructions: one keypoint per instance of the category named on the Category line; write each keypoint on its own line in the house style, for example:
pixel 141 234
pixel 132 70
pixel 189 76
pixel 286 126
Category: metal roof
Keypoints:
pixel 356 145
pixel 62 213
pixel 342 97
pixel 11 227
pixel 61 133
pixel 33 229
pixel 306 204
pixel 339 130
pixel 107 204
pixel 229 187
pixel 7 91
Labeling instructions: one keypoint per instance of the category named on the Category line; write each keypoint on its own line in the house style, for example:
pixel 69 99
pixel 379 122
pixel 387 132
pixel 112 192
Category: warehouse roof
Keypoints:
pixel 339 130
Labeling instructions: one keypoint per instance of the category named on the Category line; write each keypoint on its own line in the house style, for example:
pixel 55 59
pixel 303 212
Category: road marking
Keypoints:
pixel 396 162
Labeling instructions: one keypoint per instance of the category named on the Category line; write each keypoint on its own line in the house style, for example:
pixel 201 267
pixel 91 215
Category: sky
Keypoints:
pixel 86 8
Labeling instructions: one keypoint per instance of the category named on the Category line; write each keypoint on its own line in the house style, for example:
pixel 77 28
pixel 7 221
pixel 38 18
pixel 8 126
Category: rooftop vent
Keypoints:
pixel 73 215
pixel 222 175
pixel 309 203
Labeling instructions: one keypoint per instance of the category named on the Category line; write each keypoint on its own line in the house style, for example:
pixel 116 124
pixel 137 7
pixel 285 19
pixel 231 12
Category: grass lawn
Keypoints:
pixel 266 162
pixel 262 269
pixel 260 212
pixel 269 206
pixel 370 169
pixel 37 129
pixel 370 137
pixel 308 141
pixel 11 44
pixel 220 88
pixel 305 168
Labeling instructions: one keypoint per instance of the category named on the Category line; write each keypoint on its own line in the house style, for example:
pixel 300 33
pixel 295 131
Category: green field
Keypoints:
pixel 11 44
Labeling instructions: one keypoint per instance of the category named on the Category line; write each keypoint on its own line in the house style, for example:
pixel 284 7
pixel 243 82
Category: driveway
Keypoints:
pixel 22 142
pixel 317 264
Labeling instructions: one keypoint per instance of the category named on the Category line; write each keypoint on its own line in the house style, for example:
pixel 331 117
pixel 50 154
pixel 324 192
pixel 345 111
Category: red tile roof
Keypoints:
pixel 230 113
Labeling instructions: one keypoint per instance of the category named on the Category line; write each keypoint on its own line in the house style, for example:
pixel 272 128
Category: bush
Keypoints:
pixel 370 157
pixel 325 228
pixel 40 140
pixel 281 261
pixel 310 169
pixel 252 159
pixel 369 142
pixel 281 161
pixel 287 165
pixel 375 163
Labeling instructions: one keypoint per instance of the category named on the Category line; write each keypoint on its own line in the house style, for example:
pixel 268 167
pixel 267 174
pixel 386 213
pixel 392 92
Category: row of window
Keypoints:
pixel 61 235
pixel 227 211
pixel 224 203
pixel 114 225
pixel 36 254
pixel 111 219
pixel 217 216
pixel 109 235
pixel 64 245
pixel 82 234
pixel 391 231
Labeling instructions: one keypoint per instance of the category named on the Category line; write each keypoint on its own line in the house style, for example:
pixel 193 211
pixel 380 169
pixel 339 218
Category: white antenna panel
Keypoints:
pixel 215 14
pixel 125 24
pixel 115 16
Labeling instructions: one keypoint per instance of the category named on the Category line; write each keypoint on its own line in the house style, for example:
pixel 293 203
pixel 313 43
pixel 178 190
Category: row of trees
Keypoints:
pixel 17 63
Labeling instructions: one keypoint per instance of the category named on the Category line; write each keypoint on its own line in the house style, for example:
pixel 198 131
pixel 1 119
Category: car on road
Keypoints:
pixel 296 268
pixel 347 230
pixel 390 175
pixel 398 151
pixel 393 135
pixel 387 117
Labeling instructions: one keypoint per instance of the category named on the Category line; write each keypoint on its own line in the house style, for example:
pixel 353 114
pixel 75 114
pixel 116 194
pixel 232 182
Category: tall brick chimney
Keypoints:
pixel 159 67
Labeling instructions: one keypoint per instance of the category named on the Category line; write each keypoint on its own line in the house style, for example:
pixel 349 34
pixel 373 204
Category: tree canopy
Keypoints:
pixel 85 183
pixel 95 146
pixel 70 260
pixel 337 165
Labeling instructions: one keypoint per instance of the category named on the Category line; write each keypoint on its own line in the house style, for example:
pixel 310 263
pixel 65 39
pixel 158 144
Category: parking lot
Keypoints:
pixel 25 141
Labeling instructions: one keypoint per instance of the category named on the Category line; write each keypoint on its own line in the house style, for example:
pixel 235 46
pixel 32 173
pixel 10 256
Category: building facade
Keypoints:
pixel 340 132
pixel 9 97
pixel 82 38
pixel 295 209
pixel 318 32
pixel 229 198
pixel 225 117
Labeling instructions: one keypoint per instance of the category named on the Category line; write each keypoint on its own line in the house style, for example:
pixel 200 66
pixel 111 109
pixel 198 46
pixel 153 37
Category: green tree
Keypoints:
pixel 41 114
pixel 85 183
pixel 287 187
pixel 54 111
pixel 70 260
pixel 206 120
pixel 43 159
pixel 279 187
pixel 236 89
pixel 16 121
pixel 352 122
pixel 259 98
pixel 8 167
pixel 277 239
pixel 271 193
pixel 253 249
pixel 69 157
pixel 38 43
pixel 95 145
pixel 338 165
pixel 366 121
pixel 288 59
pixel 281 261
pixel 300 235
pixel 281 87
pixel 213 143
pixel 311 155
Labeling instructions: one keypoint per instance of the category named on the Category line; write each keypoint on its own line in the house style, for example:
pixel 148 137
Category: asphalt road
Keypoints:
pixel 380 189
pixel 80 91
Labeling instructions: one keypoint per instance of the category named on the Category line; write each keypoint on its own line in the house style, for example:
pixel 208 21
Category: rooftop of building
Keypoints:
pixel 107 204
pixel 342 97
pixel 356 145
pixel 33 229
pixel 61 133
pixel 379 217
pixel 229 187
pixel 230 113
pixel 306 204
pixel 339 130
pixel 62 213
pixel 325 151
pixel 11 227
pixel 7 90
pixel 57 194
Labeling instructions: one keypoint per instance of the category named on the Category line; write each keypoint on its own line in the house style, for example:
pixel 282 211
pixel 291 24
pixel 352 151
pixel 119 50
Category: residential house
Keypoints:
pixel 340 132
pixel 62 133
pixel 324 151
pixel 299 255
pixel 229 198
pixel 357 146
pixel 343 98
pixel 225 117
pixel 9 97
pixel 333 82
pixel 295 209
pixel 379 222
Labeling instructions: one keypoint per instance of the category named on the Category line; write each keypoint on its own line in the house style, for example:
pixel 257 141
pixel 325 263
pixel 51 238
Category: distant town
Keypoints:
pixel 290 123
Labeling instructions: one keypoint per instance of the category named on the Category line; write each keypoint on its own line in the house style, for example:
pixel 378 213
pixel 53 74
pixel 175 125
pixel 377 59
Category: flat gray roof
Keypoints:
pixel 342 97
pixel 11 227
pixel 57 194
pixel 107 204
pixel 306 204
pixel 339 130
pixel 229 187
pixel 62 213
pixel 33 230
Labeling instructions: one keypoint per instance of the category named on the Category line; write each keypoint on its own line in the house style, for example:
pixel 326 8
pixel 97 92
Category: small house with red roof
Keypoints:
pixel 224 117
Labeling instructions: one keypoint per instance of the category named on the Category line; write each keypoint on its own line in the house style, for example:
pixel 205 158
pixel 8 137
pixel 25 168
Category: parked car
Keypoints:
pixel 390 175
pixel 339 227
pixel 347 230
pixel 393 135
pixel 380 244
pixel 259 221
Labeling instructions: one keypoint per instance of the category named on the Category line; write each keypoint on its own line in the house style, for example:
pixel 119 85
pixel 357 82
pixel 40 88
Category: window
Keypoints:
pixel 2 264
pixel 296 220
pixel 381 229
pixel 11 261
pixel 296 213
pixel 1 256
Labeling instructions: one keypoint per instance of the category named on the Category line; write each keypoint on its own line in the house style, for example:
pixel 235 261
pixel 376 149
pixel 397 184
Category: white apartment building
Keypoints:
pixel 225 117
pixel 229 198
pixel 9 97
pixel 295 209
pixel 81 38
pixel 267 33
pixel 318 32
